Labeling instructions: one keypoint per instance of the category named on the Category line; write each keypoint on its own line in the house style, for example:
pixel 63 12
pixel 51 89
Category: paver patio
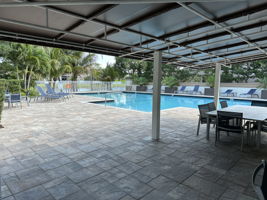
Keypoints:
pixel 78 151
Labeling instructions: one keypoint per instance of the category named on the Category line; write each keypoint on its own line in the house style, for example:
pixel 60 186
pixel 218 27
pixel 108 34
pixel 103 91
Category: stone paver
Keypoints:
pixel 74 150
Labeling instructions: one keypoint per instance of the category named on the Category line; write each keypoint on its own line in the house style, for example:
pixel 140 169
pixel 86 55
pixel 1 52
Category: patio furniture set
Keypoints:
pixel 246 121
pixel 50 94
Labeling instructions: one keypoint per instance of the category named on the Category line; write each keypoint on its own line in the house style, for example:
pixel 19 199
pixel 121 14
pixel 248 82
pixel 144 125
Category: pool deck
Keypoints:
pixel 76 150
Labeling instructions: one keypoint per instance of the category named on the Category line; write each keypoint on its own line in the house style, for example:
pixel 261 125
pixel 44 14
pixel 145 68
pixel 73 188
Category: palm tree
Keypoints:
pixel 58 64
pixel 108 74
pixel 80 64
pixel 37 60
pixel 27 60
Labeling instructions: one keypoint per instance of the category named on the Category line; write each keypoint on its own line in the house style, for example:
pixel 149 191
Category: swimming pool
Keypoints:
pixel 143 102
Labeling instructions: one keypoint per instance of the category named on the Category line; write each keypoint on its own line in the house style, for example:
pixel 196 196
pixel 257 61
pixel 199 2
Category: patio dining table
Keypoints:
pixel 252 113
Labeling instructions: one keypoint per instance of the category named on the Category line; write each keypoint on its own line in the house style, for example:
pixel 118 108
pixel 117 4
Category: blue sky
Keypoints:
pixel 103 60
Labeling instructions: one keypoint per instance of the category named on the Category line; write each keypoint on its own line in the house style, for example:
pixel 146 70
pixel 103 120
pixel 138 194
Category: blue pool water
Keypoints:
pixel 143 102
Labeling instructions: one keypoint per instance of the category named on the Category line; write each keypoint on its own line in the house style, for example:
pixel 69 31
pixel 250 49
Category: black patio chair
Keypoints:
pixel 212 106
pixel 203 109
pixel 261 188
pixel 224 123
pixel 224 104
pixel 253 125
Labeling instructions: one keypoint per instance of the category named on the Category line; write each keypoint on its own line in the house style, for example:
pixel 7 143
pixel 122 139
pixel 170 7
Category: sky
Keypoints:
pixel 103 60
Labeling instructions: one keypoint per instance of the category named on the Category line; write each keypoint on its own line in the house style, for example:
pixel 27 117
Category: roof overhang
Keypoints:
pixel 196 33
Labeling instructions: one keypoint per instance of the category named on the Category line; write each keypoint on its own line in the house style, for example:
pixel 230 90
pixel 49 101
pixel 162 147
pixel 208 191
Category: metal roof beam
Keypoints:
pixel 254 25
pixel 218 41
pixel 229 46
pixel 151 14
pixel 224 18
pixel 69 33
pixel 234 52
pixel 89 2
pixel 236 60
pixel 240 36
pixel 91 16
pixel 239 29
pixel 113 26
pixel 142 18
pixel 17 37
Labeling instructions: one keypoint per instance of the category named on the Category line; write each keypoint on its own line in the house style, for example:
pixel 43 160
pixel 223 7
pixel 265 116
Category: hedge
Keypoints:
pixel 13 86
pixel 2 95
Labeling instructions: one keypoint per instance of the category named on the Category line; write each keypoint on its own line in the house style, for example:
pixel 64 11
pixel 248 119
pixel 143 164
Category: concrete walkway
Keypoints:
pixel 79 151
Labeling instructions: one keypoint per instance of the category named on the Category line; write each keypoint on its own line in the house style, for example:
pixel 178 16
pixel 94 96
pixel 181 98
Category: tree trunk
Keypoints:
pixel 25 77
pixel 54 84
pixel 29 78
pixel 17 71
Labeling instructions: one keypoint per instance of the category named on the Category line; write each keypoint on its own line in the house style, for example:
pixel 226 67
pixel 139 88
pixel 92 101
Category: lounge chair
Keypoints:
pixel 51 91
pixel 228 92
pixel 251 92
pixel 47 96
pixel 195 90
pixel 182 89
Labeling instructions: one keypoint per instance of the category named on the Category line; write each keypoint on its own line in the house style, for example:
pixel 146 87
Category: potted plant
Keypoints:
pixel 2 98
pixel 263 84
pixel 141 83
pixel 172 84
pixel 211 82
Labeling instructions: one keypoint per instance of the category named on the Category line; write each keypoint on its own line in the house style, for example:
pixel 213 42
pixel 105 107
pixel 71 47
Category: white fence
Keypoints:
pixel 83 86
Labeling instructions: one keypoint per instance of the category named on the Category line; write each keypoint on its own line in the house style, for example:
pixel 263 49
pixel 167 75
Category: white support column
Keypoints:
pixel 217 84
pixel 156 96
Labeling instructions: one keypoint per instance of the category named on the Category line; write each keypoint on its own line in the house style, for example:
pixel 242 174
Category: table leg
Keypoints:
pixel 259 135
pixel 208 128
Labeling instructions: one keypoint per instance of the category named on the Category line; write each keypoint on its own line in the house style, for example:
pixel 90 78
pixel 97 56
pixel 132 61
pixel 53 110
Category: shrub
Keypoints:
pixel 13 86
pixel 211 81
pixel 170 81
pixel 140 81
pixel 263 83
pixel 32 92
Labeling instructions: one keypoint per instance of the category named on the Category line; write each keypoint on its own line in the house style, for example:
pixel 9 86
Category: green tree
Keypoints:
pixel 108 74
pixel 133 68
pixel 80 63
pixel 58 64
pixel 170 81
pixel 24 61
